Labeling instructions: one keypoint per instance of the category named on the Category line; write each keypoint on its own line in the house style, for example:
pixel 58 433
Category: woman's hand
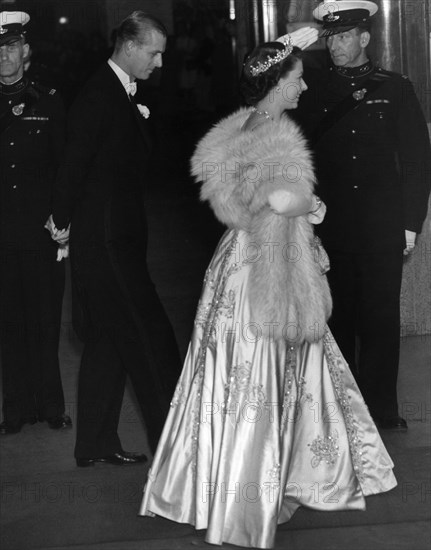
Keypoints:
pixel 317 212
pixel 289 203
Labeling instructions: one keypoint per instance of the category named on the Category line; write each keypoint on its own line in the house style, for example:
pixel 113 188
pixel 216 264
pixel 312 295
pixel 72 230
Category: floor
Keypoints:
pixel 48 503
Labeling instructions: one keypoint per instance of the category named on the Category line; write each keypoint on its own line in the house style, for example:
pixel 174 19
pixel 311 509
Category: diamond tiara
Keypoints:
pixel 272 60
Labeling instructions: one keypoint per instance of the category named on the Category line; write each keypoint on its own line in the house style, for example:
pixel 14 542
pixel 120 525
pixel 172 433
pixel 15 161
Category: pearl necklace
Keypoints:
pixel 263 113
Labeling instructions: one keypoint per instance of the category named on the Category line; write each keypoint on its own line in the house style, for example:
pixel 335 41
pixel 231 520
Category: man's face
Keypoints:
pixel 145 58
pixel 12 60
pixel 347 49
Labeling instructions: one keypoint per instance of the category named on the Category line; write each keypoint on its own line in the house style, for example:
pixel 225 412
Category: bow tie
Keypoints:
pixel 130 88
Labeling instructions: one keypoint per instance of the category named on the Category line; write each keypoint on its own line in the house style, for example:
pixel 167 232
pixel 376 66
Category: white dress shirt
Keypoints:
pixel 123 76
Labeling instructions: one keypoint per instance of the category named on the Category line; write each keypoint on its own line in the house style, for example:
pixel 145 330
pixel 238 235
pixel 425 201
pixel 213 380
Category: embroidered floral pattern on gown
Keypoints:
pixel 258 428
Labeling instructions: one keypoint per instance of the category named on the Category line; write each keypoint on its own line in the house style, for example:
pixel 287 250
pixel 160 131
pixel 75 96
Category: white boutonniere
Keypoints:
pixel 143 109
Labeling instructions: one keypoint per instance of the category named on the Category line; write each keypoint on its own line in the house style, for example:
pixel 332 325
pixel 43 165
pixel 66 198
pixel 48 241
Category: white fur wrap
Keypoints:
pixel 289 297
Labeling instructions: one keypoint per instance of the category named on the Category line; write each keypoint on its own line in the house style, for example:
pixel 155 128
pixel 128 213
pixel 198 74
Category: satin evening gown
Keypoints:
pixel 258 428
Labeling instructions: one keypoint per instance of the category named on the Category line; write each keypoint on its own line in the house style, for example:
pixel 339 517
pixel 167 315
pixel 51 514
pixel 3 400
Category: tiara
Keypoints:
pixel 272 60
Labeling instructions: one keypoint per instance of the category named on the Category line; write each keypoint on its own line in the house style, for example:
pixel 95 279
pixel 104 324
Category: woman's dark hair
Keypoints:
pixel 255 88
pixel 137 27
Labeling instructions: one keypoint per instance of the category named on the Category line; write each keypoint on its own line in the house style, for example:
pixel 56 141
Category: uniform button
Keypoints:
pixel 353 131
pixel 325 110
pixel 11 143
pixel 355 187
pixel 12 165
pixel 354 157
pixel 14 187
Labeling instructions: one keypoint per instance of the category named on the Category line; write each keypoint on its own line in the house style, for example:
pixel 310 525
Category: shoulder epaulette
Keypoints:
pixel 42 89
pixel 383 73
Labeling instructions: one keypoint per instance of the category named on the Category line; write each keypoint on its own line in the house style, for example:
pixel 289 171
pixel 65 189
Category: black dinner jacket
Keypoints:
pixel 100 183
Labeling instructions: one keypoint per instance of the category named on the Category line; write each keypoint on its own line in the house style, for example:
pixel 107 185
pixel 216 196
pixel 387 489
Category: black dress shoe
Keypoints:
pixel 7 428
pixel 59 422
pixel 392 423
pixel 119 459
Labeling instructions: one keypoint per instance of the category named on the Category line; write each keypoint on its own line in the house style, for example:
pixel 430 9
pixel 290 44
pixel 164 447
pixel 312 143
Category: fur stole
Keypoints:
pixel 289 297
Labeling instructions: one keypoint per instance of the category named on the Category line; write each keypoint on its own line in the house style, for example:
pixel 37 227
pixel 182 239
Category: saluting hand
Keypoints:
pixel 301 38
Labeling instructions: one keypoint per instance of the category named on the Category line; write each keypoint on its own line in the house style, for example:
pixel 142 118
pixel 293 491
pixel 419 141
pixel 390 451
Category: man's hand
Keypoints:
pixel 410 242
pixel 62 252
pixel 301 38
pixel 61 237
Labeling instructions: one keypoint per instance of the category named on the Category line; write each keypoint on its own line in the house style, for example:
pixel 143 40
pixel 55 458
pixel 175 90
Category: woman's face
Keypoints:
pixel 292 85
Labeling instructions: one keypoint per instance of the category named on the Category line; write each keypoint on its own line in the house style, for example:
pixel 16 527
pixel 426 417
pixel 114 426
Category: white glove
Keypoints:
pixel 62 252
pixel 301 38
pixel 317 215
pixel 288 203
pixel 61 237
pixel 410 242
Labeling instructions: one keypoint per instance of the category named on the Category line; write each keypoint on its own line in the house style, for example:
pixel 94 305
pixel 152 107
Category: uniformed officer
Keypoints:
pixel 31 280
pixel 373 165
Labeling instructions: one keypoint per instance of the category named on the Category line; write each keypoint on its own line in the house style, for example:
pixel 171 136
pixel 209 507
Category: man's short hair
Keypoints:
pixel 363 27
pixel 137 27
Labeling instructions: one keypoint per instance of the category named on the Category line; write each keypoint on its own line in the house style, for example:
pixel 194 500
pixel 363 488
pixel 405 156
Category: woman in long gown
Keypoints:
pixel 266 416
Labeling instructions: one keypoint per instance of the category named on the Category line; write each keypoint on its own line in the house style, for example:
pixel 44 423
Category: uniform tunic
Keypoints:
pixel 31 281
pixel 373 167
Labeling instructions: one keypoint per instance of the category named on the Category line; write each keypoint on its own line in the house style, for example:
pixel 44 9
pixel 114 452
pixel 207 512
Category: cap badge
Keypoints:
pixel 359 94
pixel 17 110
pixel 3 30
pixel 331 17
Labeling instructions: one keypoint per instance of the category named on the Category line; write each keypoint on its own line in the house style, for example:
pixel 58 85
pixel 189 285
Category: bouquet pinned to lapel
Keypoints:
pixel 143 109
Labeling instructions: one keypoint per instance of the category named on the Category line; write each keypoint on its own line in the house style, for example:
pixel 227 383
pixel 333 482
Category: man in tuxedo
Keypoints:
pixel 99 192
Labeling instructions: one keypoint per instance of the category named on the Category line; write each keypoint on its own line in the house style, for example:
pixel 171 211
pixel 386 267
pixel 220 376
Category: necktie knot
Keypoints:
pixel 131 88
